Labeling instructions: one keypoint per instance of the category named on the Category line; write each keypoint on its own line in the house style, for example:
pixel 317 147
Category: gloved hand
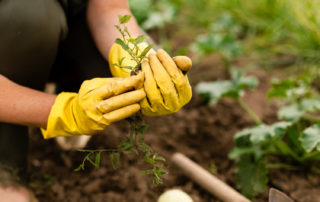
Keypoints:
pixel 166 85
pixel 100 102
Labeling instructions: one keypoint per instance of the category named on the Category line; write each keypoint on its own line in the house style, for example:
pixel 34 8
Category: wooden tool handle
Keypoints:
pixel 209 182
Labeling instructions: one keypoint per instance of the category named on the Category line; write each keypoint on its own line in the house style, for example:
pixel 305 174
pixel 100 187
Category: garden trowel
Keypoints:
pixel 278 196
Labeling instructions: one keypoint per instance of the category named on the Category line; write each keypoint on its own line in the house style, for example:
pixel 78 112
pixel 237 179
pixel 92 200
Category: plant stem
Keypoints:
pixel 246 108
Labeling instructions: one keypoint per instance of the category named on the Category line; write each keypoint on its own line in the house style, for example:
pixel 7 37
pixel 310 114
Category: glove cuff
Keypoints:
pixel 61 121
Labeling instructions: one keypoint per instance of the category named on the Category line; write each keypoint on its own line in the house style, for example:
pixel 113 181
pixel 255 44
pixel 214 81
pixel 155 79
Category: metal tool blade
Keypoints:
pixel 278 196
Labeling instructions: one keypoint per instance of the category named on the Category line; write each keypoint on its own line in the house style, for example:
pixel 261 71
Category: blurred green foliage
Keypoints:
pixel 268 33
pixel 263 29
pixel 212 92
pixel 153 13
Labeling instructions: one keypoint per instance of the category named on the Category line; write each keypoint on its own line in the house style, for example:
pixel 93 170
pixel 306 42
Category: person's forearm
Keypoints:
pixel 25 106
pixel 102 16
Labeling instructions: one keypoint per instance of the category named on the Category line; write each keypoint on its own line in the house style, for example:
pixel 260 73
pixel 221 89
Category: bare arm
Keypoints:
pixel 102 15
pixel 21 105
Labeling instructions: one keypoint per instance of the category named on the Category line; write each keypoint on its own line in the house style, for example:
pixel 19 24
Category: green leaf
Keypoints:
pixel 295 111
pixel 280 128
pixel 214 90
pixel 251 175
pixel 226 88
pixel 223 43
pixel 262 133
pixel 160 158
pixel 125 146
pixel 280 88
pixel 159 18
pixel 145 51
pixel 290 88
pixel 122 44
pixel 293 139
pixel 310 138
pixel 290 113
pixel 141 13
pixel 141 39
pixel 240 81
pixel 144 148
pixel 147 172
pixel 237 152
pixel 124 19
pixel 149 160
pixel 311 104
pixel 121 60
pixel 132 40
pixel 134 151
pixel 160 172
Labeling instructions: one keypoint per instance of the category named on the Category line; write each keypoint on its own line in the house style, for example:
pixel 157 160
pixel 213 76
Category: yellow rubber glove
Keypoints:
pixel 100 102
pixel 166 85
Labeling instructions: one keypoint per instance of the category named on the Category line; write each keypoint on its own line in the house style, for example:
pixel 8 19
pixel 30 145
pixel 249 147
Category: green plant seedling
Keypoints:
pixel 292 143
pixel 133 144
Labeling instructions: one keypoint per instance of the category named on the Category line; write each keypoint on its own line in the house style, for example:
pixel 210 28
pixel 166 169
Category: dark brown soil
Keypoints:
pixel 204 134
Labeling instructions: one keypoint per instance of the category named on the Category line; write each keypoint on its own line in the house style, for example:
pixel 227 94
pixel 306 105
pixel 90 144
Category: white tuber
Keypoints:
pixel 174 195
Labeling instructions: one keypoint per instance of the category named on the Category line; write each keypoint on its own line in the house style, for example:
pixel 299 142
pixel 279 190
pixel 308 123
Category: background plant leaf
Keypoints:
pixel 310 138
pixel 262 133
pixel 226 88
pixel 311 104
pixel 290 113
pixel 251 175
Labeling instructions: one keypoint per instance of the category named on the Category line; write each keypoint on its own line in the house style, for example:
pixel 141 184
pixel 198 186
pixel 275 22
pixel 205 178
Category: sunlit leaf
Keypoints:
pixel 290 88
pixel 141 39
pixel 280 88
pixel 262 133
pixel 124 19
pixel 122 44
pixel 226 88
pixel 146 50
pixel 311 138
pixel 311 105
pixel 290 113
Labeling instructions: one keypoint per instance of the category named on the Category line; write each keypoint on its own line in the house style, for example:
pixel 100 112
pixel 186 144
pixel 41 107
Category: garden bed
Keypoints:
pixel 204 134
